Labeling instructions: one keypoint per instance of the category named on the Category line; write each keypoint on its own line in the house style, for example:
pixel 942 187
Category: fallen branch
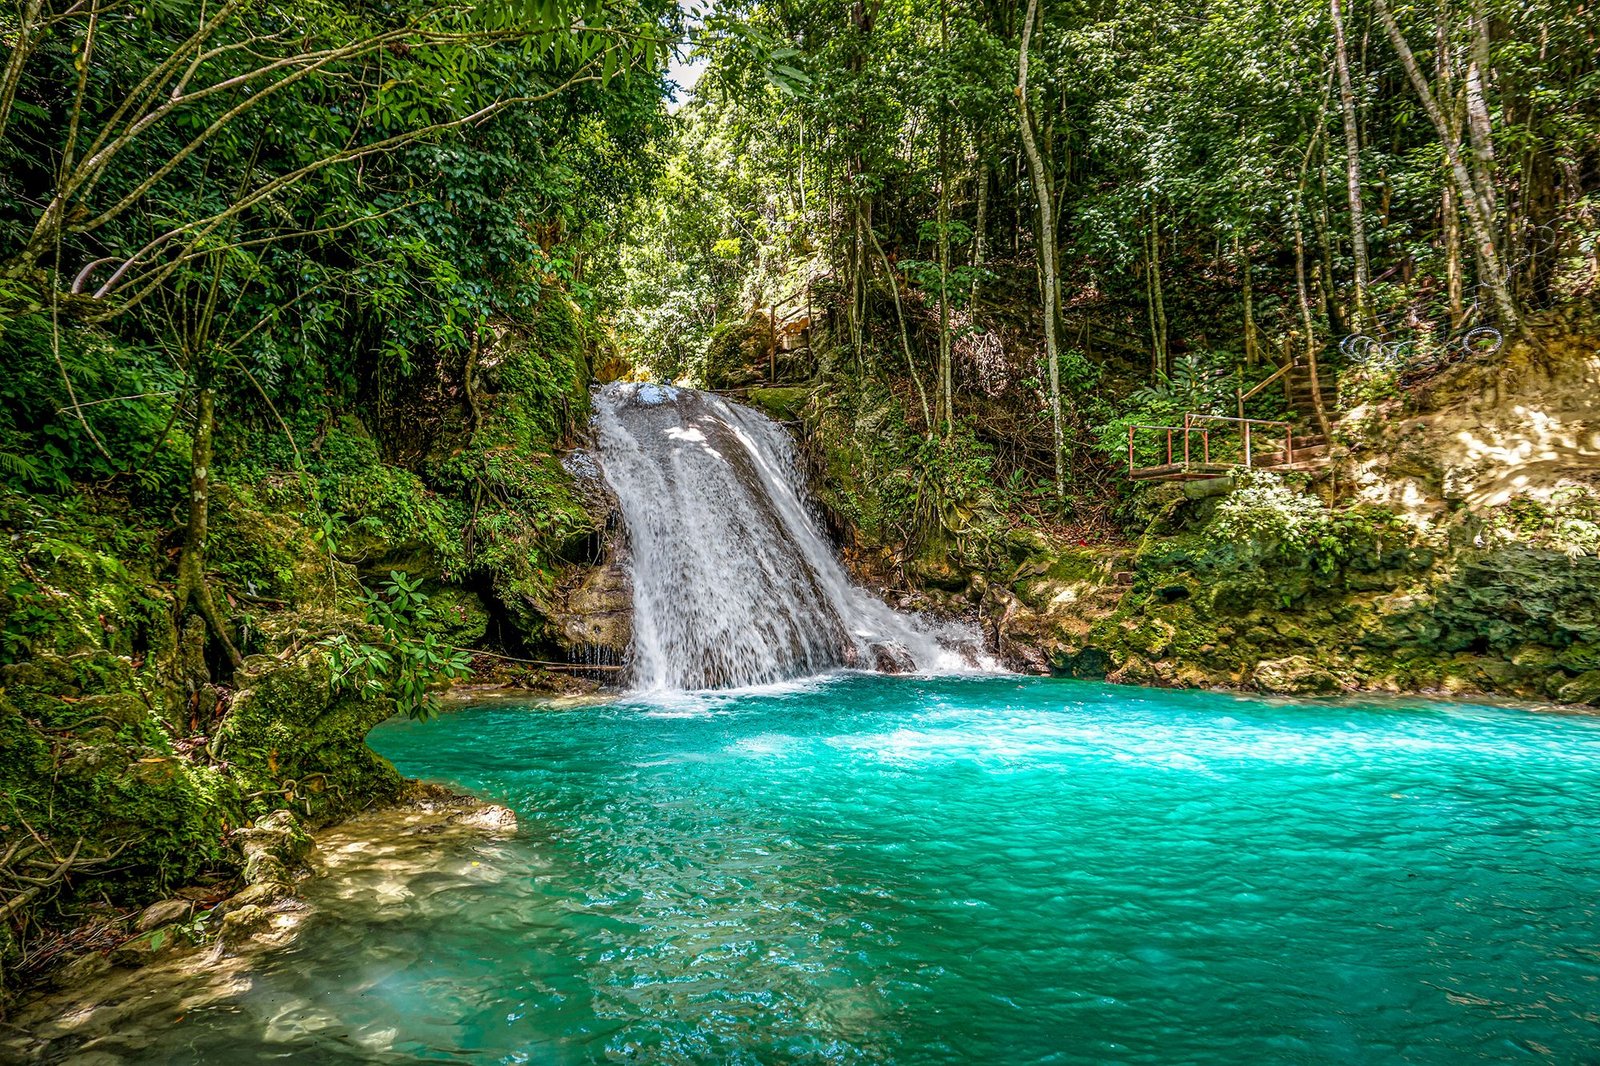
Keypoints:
pixel 533 662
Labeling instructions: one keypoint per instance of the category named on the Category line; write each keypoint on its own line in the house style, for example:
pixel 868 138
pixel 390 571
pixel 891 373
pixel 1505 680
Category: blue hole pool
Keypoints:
pixel 871 869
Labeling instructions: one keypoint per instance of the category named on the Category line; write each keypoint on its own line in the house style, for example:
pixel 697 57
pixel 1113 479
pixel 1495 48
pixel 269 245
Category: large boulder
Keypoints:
pixel 292 733
pixel 1294 675
pixel 739 353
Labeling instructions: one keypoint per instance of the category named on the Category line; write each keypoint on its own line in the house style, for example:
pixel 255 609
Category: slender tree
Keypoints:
pixel 1047 243
pixel 1478 206
pixel 1352 157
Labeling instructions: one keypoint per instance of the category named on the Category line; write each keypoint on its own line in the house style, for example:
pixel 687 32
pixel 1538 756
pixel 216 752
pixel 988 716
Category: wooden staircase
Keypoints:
pixel 1298 393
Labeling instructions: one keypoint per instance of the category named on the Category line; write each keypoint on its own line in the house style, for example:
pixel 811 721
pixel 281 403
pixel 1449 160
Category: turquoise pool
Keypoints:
pixel 870 869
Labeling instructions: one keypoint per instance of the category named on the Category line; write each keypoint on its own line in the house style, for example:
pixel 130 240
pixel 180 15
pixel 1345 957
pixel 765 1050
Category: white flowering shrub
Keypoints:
pixel 1265 508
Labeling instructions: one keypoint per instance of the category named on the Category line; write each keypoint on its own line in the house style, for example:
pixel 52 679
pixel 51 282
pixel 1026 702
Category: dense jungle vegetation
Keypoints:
pixel 300 303
pixel 1120 212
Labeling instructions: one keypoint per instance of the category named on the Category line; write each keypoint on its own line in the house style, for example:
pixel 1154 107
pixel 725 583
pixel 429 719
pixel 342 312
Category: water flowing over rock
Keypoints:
pixel 733 581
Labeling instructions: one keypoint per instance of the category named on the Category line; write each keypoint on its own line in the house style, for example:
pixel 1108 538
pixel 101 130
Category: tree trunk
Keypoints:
pixel 1480 215
pixel 1150 311
pixel 979 230
pixel 1161 350
pixel 1352 153
pixel 28 25
pixel 1478 124
pixel 1047 245
pixel 1251 350
pixel 192 586
pixel 1306 324
pixel 1450 218
pixel 1449 205
pixel 946 382
pixel 905 337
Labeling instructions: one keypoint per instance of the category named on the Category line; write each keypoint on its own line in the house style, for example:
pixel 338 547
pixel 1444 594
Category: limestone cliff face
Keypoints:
pixel 1195 612
pixel 589 609
pixel 592 612
pixel 1525 426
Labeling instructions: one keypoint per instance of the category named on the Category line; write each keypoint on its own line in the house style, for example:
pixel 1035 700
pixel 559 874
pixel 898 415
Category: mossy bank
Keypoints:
pixel 360 553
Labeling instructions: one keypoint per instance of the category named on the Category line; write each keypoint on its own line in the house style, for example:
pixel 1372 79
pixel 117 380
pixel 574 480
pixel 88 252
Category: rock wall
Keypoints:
pixel 1193 611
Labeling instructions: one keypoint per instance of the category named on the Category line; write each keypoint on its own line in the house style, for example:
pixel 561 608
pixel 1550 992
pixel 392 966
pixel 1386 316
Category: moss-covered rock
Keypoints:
pixel 1362 607
pixel 292 737
pixel 89 762
pixel 456 616
pixel 739 352
pixel 780 403
pixel 275 847
pixel 1294 675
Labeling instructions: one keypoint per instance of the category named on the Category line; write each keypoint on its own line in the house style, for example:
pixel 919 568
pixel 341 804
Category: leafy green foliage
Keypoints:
pixel 929 496
pixel 1200 383
pixel 401 663
pixel 68 579
pixel 125 395
pixel 1567 520
pixel 1275 514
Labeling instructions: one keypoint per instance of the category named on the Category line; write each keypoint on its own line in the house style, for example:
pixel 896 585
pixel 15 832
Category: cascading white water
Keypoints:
pixel 733 581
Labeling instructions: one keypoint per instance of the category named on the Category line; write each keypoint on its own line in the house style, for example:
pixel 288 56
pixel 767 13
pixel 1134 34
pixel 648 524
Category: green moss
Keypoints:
pixel 1072 565
pixel 783 404
pixel 93 765
pixel 538 378
pixel 71 577
pixel 290 738
pixel 930 500
pixel 385 516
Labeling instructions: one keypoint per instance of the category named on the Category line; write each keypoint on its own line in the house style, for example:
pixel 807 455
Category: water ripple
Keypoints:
pixel 975 870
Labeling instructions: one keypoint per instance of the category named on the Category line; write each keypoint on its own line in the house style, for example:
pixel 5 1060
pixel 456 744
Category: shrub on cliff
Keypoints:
pixel 1274 514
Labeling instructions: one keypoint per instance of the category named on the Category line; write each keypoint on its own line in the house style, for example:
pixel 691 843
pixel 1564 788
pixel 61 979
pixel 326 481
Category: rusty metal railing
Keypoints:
pixel 1248 430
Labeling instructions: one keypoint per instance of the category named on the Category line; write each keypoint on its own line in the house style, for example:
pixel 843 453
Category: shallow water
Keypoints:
pixel 967 870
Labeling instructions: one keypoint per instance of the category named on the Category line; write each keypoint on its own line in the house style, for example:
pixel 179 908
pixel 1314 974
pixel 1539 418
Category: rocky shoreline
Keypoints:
pixel 190 950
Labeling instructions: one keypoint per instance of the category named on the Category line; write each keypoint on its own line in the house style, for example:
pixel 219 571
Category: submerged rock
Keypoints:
pixel 491 819
pixel 416 854
pixel 80 969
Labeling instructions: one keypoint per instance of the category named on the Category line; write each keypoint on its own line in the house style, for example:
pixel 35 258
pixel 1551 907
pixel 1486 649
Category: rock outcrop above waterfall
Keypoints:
pixel 592 611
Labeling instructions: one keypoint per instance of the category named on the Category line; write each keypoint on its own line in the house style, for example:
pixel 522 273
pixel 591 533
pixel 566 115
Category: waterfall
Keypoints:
pixel 733 581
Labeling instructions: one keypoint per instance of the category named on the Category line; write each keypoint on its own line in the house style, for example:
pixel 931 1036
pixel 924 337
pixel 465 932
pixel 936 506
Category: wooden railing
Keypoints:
pixel 1181 444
